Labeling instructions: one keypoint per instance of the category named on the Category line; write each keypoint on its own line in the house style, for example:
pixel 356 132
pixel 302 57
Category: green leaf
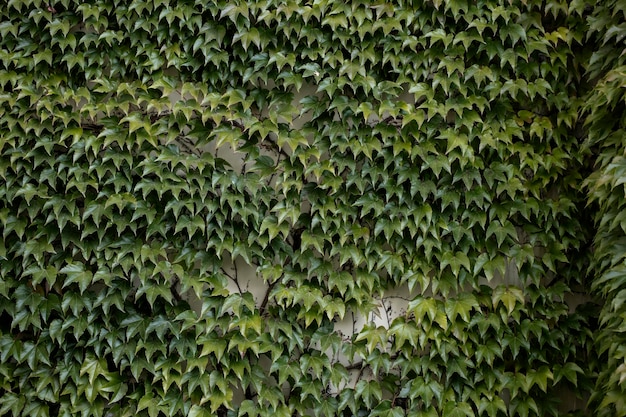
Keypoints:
pixel 513 31
pixel 523 406
pixel 373 336
pixel 424 307
pixel 507 296
pixel 12 402
pixel 36 408
pixel 197 411
pixel 404 331
pixel 492 407
pixel 461 307
pixel 76 273
pixel 540 377
pixel 456 261
pixel 94 368
pixel 439 35
pixel 457 409
pixel 569 371
pixel 213 346
pixel 369 391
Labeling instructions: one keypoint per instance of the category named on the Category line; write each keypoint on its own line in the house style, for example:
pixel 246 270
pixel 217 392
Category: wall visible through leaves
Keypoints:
pixel 289 208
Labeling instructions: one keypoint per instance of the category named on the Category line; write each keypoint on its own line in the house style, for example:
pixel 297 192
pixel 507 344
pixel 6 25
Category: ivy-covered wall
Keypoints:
pixel 316 207
pixel 606 123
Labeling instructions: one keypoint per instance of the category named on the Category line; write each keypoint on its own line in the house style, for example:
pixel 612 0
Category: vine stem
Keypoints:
pixel 233 278
pixel 266 297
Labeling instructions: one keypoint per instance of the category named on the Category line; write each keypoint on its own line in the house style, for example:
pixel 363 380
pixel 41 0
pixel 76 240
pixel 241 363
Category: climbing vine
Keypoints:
pixel 606 123
pixel 319 208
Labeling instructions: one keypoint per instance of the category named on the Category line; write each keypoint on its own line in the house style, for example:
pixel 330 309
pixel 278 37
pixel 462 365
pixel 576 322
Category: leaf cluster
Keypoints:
pixel 345 152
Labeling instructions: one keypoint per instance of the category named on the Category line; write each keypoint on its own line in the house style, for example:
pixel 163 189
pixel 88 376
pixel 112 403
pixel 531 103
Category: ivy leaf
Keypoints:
pixel 45 56
pixel 368 391
pixel 523 406
pixel 213 346
pixel 513 31
pixel 226 135
pixel 248 408
pixel 493 406
pixel 219 399
pixel 432 308
pixel 454 409
pixel 439 35
pixel 569 371
pixel 508 296
pixel 456 261
pixel 403 331
pixel 12 402
pixel 94 368
pixel 374 336
pixel 501 231
pixel 461 306
pixel 76 273
pixel 540 377
pixel 36 409
pixel 426 390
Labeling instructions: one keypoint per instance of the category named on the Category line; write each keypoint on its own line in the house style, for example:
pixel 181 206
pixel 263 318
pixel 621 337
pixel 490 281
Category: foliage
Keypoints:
pixel 354 154
pixel 607 129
